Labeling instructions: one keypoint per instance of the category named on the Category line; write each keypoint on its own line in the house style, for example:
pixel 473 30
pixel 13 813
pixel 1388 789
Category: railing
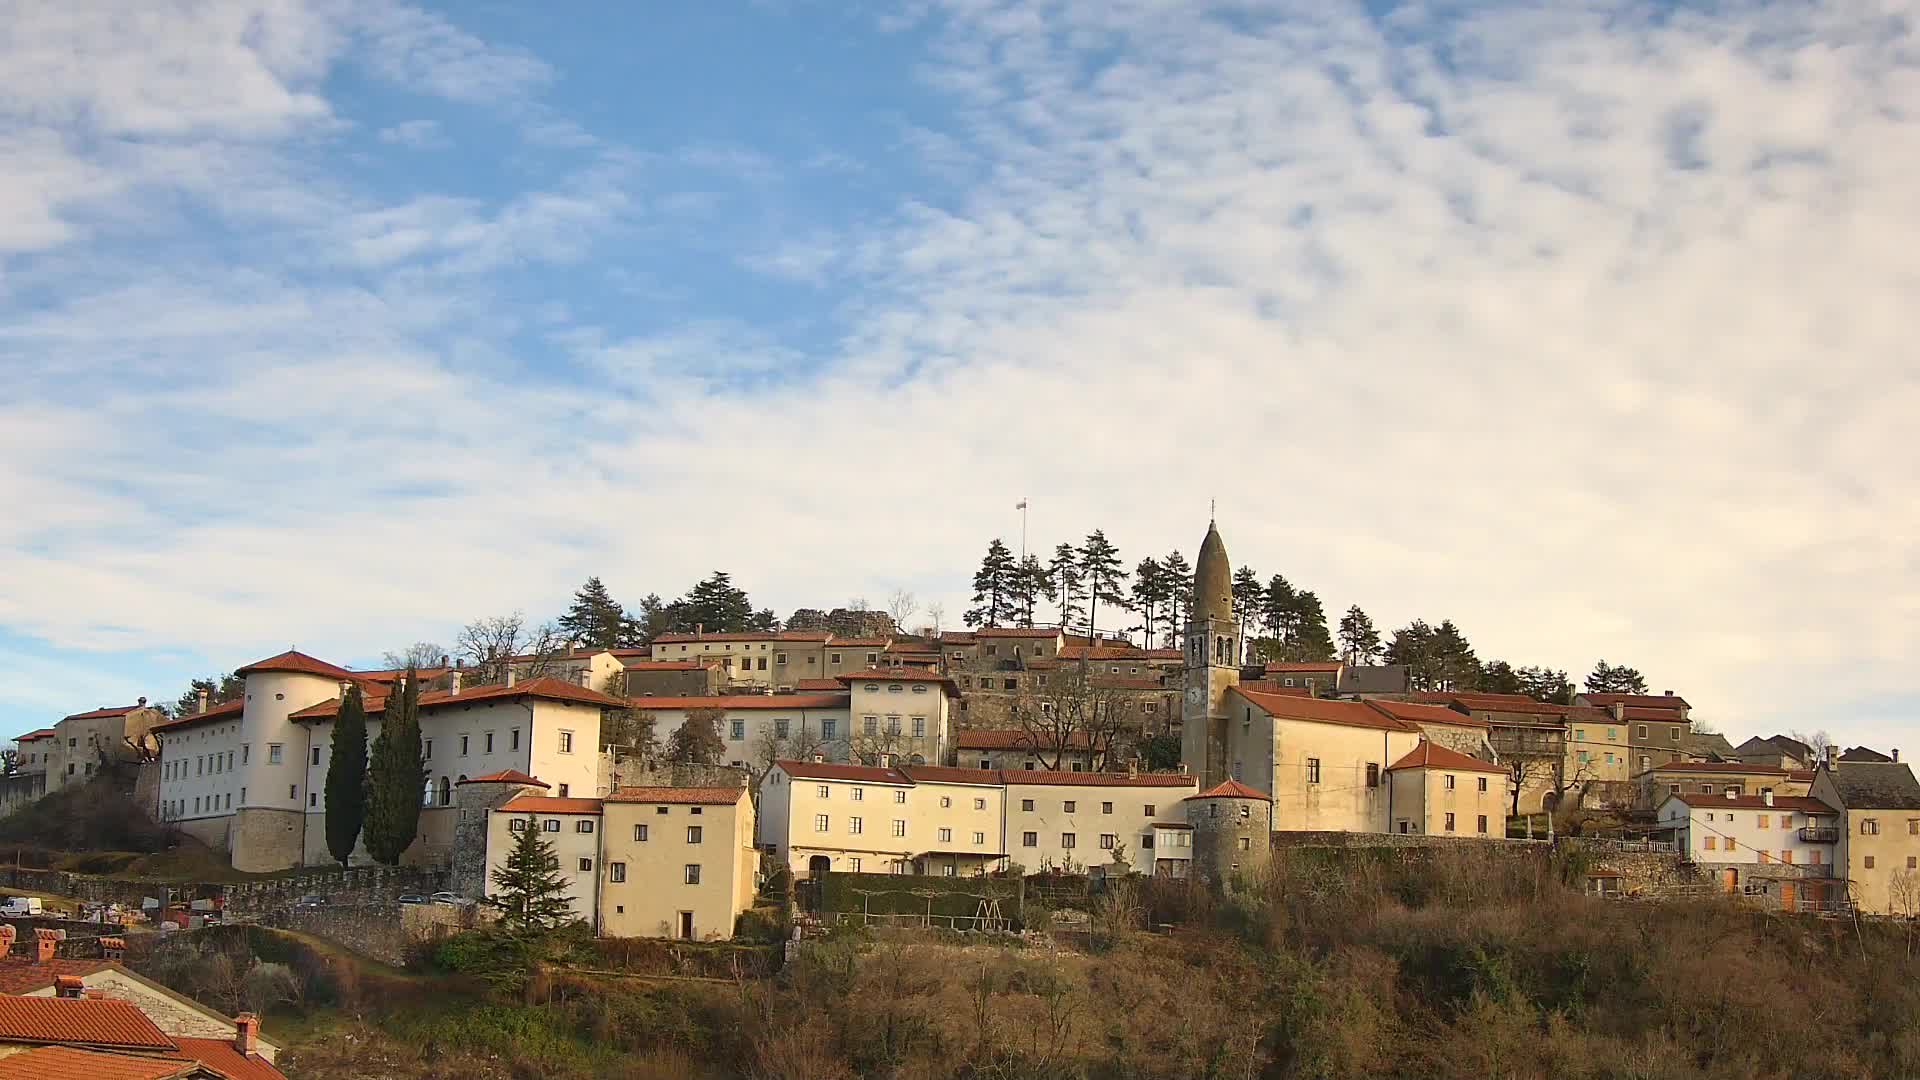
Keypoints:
pixel 1622 843
pixel 1819 834
pixel 960 923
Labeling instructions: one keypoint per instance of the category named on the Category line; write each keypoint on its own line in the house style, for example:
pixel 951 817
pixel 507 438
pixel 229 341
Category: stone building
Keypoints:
pixel 672 678
pixel 1232 834
pixel 1212 635
pixel 85 742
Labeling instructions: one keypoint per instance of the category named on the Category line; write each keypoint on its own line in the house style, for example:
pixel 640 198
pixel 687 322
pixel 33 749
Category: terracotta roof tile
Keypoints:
pixel 1268 686
pixel 544 688
pixel 1014 739
pixel 1509 703
pixel 230 710
pixel 1650 701
pixel 664 665
pixel 743 702
pixel 944 774
pixel 1094 779
pixel 545 804
pixel 508 776
pixel 828 770
pixel 1325 711
pixel 895 674
pixel 1304 665
pixel 804 685
pixel 1720 767
pixel 1014 632
pixel 223 1057
pixel 19 975
pixel 82 1021
pixel 1429 755
pixel 43 733
pixel 298 663
pixel 695 796
pixel 1415 713
pixel 70 1063
pixel 104 712
pixel 1230 789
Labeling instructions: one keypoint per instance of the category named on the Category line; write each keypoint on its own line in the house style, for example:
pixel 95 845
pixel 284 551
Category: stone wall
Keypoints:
pixel 1305 839
pixel 386 931
pixel 265 840
pixel 356 887
pixel 636 773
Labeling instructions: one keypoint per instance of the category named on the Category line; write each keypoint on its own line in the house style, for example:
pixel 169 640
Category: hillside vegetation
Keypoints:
pixel 1347 965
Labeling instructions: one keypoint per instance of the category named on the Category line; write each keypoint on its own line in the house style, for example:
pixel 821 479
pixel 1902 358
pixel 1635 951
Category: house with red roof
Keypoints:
pixel 1322 761
pixel 1438 791
pixel 80 1033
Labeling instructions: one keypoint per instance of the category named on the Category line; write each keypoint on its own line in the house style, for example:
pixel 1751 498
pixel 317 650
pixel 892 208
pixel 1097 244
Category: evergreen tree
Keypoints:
pixel 347 777
pixel 1279 611
pixel 1247 598
pixel 1608 679
pixel 597 620
pixel 1412 645
pixel 220 690
pixel 654 619
pixel 1499 677
pixel 1179 577
pixel 1359 641
pixel 715 606
pixel 697 740
pixel 1063 583
pixel 1458 668
pixel 994 586
pixel 1100 568
pixel 528 889
pixel 1545 684
pixel 396 776
pixel 1311 641
pixel 764 621
pixel 1029 585
pixel 1150 594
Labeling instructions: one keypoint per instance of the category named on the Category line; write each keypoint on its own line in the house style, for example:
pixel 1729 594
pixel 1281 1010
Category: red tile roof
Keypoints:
pixel 1268 686
pixel 79 1021
pixel 947 684
pixel 1230 789
pixel 1093 779
pixel 1800 774
pixel 1720 767
pixel 828 770
pixel 19 975
pixel 1101 652
pixel 230 710
pixel 1429 755
pixel 43 733
pixel 742 702
pixel 956 637
pixel 544 688
pixel 1511 703
pixel 1702 800
pixel 298 663
pixel 943 774
pixel 69 1063
pixel 751 635
pixel 1665 716
pixel 508 776
pixel 1015 739
pixel 222 1056
pixel 665 665
pixel 1163 654
pixel 804 685
pixel 701 796
pixel 1415 713
pixel 1650 701
pixel 858 643
pixel 104 712
pixel 545 804
pixel 1014 632
pixel 1325 711
pixel 1304 665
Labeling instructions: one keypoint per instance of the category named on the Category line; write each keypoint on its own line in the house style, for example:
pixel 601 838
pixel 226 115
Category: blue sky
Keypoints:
pixel 339 324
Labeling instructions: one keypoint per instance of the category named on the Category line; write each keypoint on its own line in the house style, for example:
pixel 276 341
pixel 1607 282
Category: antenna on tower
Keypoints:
pixel 1212 506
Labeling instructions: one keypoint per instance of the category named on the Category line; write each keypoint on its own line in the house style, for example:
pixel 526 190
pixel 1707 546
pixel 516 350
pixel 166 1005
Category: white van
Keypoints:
pixel 21 906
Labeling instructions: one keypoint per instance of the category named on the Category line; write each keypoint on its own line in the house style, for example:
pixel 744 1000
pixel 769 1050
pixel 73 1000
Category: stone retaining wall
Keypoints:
pixel 387 932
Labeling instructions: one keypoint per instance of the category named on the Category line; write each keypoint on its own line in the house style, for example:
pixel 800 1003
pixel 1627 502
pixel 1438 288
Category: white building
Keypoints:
pixel 753 724
pixel 1737 838
pixel 1075 820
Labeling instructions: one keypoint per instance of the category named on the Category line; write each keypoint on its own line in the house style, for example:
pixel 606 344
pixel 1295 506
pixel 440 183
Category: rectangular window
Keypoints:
pixel 899 827
pixel 1030 839
pixel 517 825
pixel 893 725
pixel 550 825
pixel 1069 806
pixel 1149 809
pixel 946 836
pixel 693 834
pixel 819 823
pixel 979 838
pixel 979 804
pixel 857 795
pixel 513 738
pixel 566 742
pixel 780 728
pixel 946 801
pixel 660 810
pixel 1643 731
pixel 616 872
pixel 870 725
pixel 1712 842
pixel 464 740
pixel 1107 840
pixel 853 863
pixel 316 755
pixel 919 727
pixel 1787 857
pixel 693 873
pixel 829 729
pixel 1449 822
pixel 736 729
pixel 1449 782
pixel 1869 827
pixel 489 742
pixel 1026 805
pixel 426 748
pixel 1106 808
pixel 583 826
pixel 293 791
pixel 1313 770
pixel 899 796
pixel 1762 819
pixel 273 753
pixel 855 826
pixel 1483 783
pixel 1373 774
pixel 1483 823
pixel 823 791
pixel 1066 840
pixel 640 833
pixel 1867 862
pixel 246 751
pixel 586 865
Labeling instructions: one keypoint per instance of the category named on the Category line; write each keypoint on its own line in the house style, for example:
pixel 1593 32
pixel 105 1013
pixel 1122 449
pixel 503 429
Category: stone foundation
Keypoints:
pixel 267 840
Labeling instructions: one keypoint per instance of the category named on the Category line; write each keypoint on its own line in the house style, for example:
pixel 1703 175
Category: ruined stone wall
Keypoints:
pixel 386 931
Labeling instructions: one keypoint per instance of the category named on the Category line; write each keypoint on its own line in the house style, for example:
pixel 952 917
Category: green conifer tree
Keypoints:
pixel 347 777
pixel 396 777
pixel 528 890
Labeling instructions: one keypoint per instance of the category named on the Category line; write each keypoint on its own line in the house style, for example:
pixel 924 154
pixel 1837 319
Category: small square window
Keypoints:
pixel 1066 840
pixel 1069 805
pixel 586 865
pixel 640 833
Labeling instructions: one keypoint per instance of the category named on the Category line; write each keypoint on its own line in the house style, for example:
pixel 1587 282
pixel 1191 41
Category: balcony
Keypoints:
pixel 1819 834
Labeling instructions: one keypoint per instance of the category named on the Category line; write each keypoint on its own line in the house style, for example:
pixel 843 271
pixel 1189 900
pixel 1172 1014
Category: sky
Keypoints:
pixel 336 325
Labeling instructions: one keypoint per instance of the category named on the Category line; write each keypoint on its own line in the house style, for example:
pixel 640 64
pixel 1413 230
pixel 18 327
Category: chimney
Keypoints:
pixel 819 758
pixel 699 630
pixel 7 934
pixel 510 675
pixel 443 660
pixel 1619 712
pixel 1133 768
pixel 203 701
pixel 454 687
pixel 246 1028
pixel 1896 753
pixel 1767 796
pixel 45 944
pixel 113 948
pixel 460 663
pixel 1669 693
pixel 143 702
pixel 68 986
pixel 1732 793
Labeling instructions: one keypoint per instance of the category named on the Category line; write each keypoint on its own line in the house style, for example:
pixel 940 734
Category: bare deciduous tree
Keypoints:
pixel 420 654
pixel 901 605
pixel 488 644
pixel 1072 712
pixel 1820 742
pixel 936 611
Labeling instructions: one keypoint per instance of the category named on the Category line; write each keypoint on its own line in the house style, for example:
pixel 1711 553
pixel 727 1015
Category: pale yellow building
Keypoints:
pixel 1439 791
pixel 571 826
pixel 1877 848
pixel 1323 762
pixel 1078 820
pixel 777 661
pixel 677 862
pixel 818 816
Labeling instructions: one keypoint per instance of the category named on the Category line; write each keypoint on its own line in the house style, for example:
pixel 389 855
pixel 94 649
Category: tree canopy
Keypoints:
pixel 598 621
pixel 396 777
pixel 1101 569
pixel 994 587
pixel 1359 640
pixel 697 740
pixel 347 777
pixel 1608 679
pixel 528 889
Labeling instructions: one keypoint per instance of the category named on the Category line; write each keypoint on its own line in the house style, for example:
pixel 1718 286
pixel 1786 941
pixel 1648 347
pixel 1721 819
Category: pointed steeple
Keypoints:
pixel 1212 579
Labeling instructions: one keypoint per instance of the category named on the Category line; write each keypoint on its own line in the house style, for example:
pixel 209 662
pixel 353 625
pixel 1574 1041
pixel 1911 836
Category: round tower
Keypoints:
pixel 1232 834
pixel 1212 663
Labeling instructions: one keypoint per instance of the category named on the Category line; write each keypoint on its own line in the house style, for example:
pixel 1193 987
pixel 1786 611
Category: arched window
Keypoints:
pixel 446 791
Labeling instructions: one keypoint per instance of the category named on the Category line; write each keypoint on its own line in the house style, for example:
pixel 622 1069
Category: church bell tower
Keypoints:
pixel 1212 664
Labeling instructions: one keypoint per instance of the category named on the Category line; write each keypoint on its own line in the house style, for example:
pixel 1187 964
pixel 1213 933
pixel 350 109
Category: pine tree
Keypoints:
pixel 1458 668
pixel 396 776
pixel 1412 645
pixel 1063 583
pixel 1100 569
pixel 1029 585
pixel 597 620
pixel 1149 594
pixel 1179 577
pixel 1499 677
pixel 1608 679
pixel 1279 611
pixel 1311 641
pixel 993 588
pixel 653 621
pixel 528 889
pixel 715 606
pixel 1545 684
pixel 1359 641
pixel 347 777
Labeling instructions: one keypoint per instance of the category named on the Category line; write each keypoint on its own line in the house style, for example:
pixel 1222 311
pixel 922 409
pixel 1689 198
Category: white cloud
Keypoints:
pixel 419 134
pixel 1582 330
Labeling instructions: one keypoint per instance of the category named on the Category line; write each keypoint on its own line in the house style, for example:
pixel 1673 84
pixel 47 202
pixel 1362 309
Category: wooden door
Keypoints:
pixel 1787 902
pixel 1729 879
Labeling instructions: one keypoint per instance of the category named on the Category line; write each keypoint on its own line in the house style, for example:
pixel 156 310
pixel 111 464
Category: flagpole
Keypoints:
pixel 1023 528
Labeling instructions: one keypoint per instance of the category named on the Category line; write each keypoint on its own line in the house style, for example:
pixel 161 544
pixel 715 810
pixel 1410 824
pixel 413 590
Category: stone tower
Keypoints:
pixel 1212 664
pixel 1232 833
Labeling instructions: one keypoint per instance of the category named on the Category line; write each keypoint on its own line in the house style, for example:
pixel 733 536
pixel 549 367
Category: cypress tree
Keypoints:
pixel 347 777
pixel 396 777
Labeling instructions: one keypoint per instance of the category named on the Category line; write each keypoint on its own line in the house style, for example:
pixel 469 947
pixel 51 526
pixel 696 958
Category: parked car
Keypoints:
pixel 311 900
pixel 452 899
pixel 412 898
